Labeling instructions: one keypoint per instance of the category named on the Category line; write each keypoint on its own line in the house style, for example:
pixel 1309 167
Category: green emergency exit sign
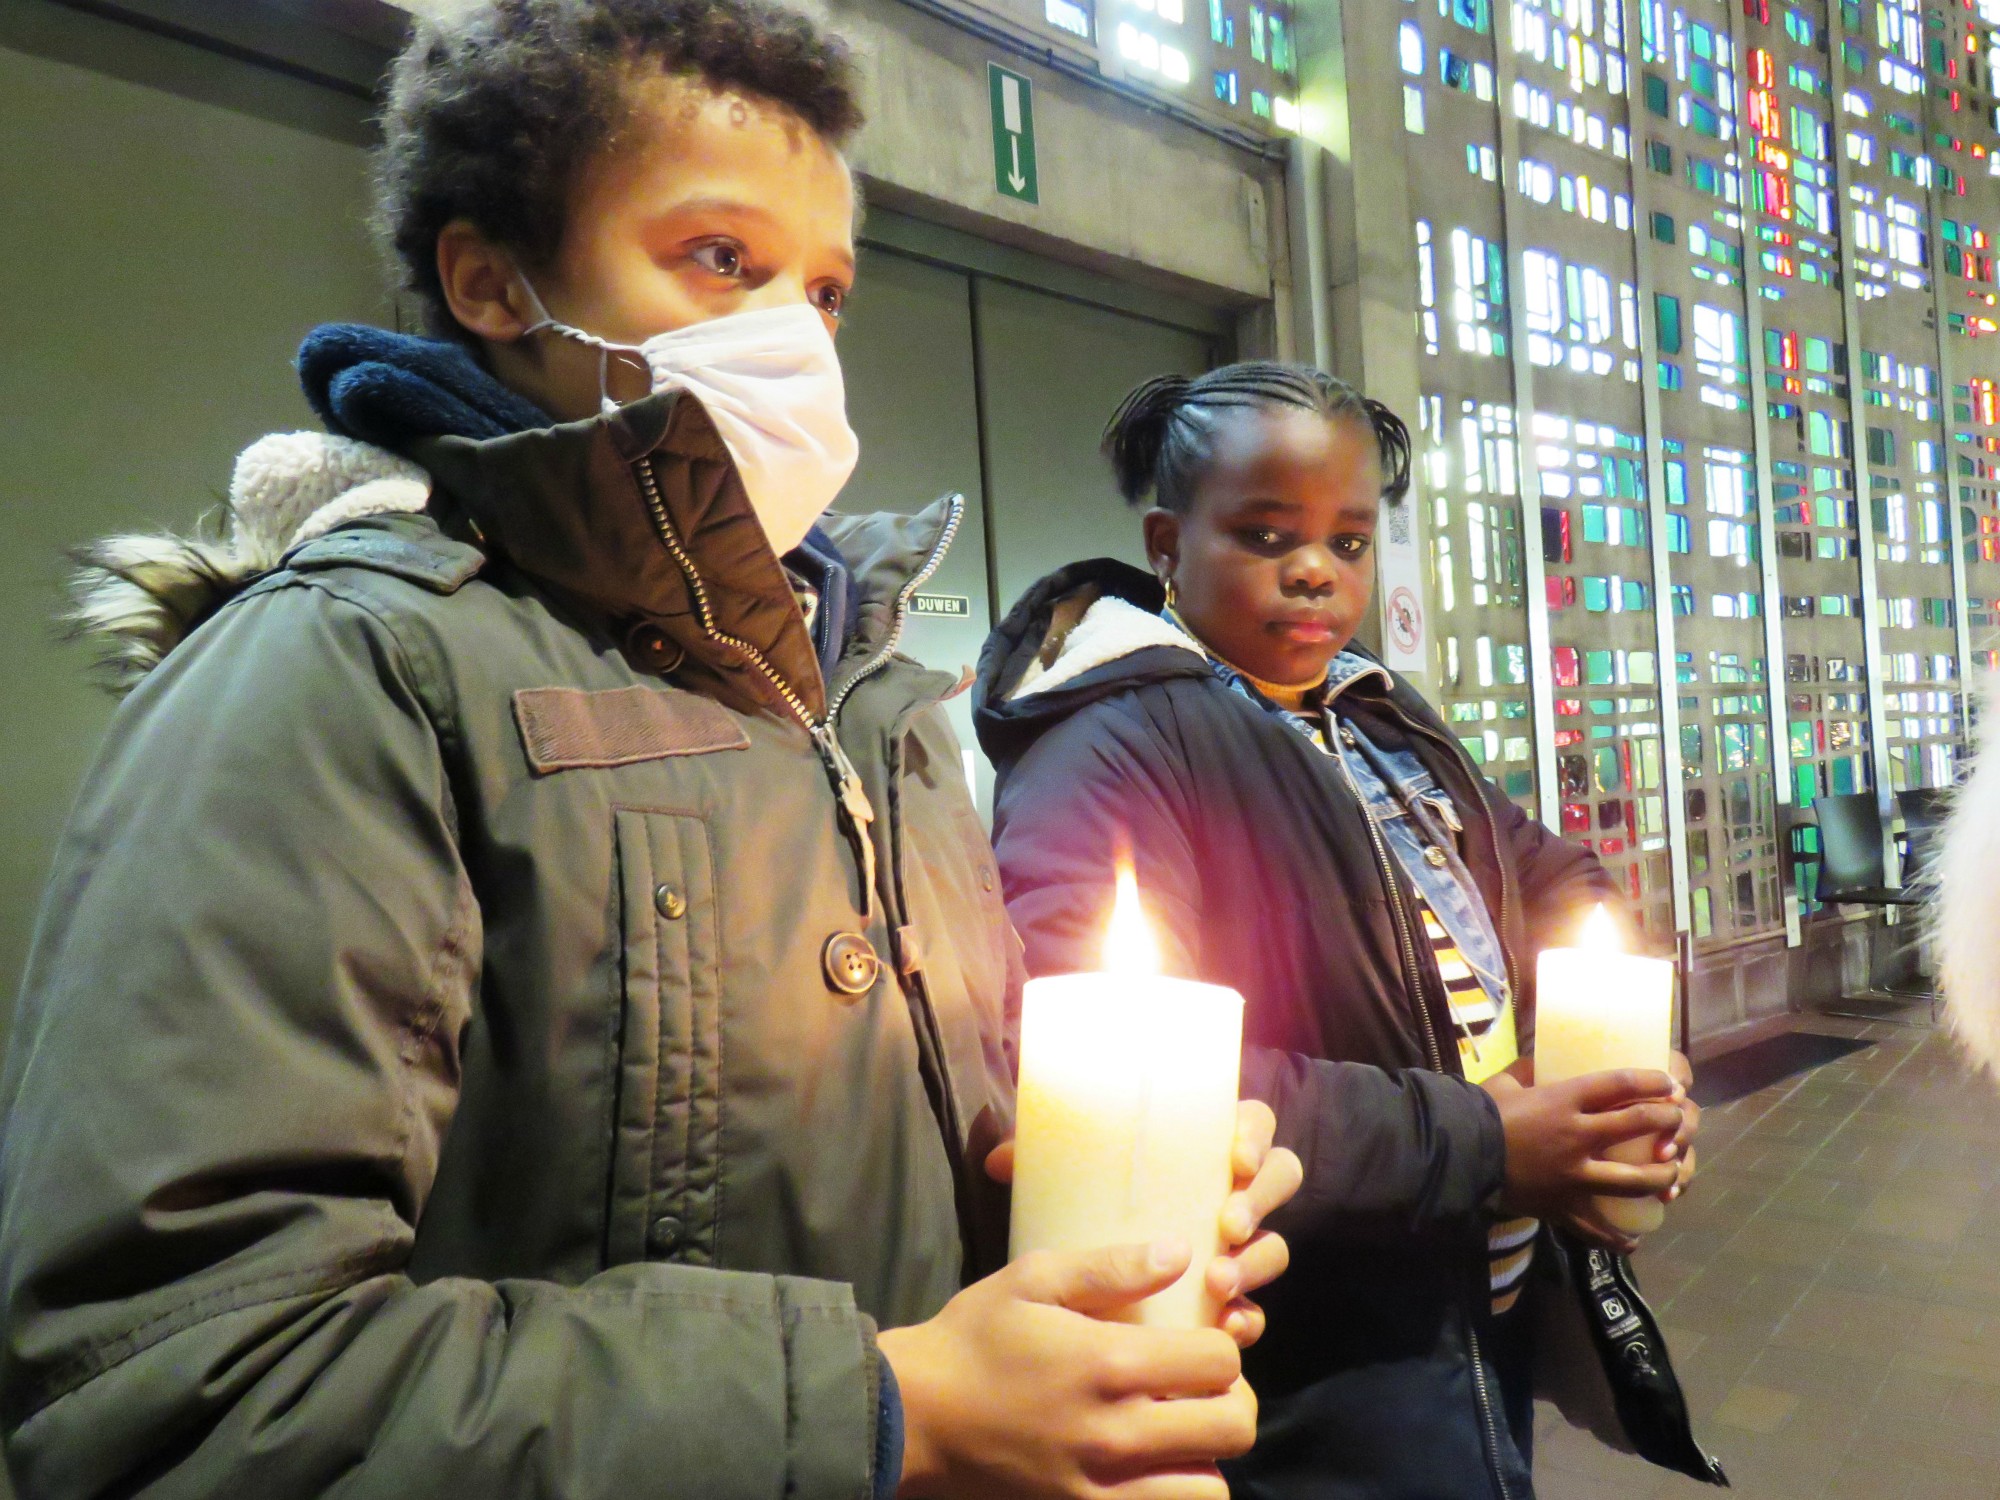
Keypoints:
pixel 1013 100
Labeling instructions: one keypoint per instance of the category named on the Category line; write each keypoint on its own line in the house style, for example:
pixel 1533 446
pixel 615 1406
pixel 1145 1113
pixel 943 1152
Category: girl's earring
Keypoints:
pixel 1173 594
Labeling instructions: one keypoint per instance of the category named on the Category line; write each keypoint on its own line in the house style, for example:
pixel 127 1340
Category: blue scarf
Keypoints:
pixel 391 389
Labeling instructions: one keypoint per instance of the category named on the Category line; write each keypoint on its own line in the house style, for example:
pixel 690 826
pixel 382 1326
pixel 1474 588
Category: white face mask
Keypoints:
pixel 770 380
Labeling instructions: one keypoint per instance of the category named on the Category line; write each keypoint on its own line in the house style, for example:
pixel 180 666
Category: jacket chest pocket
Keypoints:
pixel 667 1121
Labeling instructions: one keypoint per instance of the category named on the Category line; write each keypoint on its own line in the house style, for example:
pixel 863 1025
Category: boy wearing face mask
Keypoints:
pixel 519 1008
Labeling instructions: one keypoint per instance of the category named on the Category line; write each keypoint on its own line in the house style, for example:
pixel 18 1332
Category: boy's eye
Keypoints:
pixel 721 257
pixel 1263 538
pixel 830 299
pixel 1351 547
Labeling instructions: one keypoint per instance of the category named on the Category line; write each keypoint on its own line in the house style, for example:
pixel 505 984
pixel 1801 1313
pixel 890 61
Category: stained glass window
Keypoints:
pixel 1742 256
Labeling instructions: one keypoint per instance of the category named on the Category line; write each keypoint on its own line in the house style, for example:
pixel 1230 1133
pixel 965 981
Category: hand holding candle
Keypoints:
pixel 1128 1143
pixel 1268 1176
pixel 1598 1009
pixel 1128 1111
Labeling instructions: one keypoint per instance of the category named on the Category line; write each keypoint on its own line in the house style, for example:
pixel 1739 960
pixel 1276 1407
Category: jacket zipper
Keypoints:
pixel 855 807
pixel 900 615
pixel 1404 942
pixel 1483 1396
pixel 650 486
pixel 1412 971
pixel 946 1106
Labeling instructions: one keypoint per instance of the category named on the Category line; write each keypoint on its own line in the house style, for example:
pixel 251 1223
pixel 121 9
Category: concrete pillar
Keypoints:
pixel 1358 317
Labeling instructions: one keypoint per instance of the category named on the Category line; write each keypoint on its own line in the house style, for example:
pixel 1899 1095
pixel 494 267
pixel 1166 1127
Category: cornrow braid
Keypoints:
pixel 1162 433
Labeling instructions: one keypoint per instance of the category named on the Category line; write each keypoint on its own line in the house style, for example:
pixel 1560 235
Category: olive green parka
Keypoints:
pixel 451 1061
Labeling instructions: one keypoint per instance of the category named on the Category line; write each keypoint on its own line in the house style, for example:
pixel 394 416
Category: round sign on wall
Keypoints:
pixel 1406 620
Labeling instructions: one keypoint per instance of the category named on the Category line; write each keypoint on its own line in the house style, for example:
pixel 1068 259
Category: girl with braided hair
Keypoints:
pixel 1308 832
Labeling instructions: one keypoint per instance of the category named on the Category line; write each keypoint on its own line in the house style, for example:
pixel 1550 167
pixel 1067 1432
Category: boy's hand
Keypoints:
pixel 1556 1138
pixel 1018 1390
pixel 1266 1179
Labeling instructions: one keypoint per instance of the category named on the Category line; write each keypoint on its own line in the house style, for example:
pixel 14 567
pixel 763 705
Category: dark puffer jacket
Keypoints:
pixel 1378 1377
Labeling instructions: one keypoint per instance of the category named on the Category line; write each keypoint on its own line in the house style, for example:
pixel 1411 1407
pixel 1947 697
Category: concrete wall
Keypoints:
pixel 1353 294
pixel 1121 187
pixel 1185 210
pixel 209 213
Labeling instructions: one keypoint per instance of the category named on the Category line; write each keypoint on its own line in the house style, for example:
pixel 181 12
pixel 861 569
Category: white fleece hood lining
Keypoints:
pixel 1110 630
pixel 293 486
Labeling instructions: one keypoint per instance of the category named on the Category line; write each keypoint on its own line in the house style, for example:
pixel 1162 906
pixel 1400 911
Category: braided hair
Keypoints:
pixel 1162 433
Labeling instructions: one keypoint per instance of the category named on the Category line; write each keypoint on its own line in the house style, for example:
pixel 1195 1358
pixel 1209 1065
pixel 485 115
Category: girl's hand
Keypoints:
pixel 1677 1148
pixel 1557 1135
pixel 1253 1257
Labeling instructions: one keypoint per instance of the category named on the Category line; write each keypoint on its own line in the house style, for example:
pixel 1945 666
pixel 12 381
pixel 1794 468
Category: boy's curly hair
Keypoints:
pixel 491 115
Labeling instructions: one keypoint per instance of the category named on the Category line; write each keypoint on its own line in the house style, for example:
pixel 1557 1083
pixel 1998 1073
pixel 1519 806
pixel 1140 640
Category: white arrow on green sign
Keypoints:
pixel 1013 100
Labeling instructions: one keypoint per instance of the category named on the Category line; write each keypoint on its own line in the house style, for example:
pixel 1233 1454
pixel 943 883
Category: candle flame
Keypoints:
pixel 1129 945
pixel 1600 933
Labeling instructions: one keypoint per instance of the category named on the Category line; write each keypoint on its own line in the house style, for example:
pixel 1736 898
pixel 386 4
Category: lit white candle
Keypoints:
pixel 1599 1008
pixel 1127 1112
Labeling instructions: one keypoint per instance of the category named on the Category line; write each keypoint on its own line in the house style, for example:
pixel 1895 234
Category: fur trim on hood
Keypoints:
pixel 136 597
pixel 1965 911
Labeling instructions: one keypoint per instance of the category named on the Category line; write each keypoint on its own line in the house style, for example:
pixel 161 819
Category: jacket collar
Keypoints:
pixel 1013 705
pixel 637 520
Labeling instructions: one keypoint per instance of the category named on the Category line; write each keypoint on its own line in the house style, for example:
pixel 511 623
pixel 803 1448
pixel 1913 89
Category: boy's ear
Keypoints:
pixel 1163 540
pixel 482 284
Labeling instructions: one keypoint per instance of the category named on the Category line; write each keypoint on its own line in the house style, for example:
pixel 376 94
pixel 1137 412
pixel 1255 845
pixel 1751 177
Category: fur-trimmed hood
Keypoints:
pixel 1964 914
pixel 135 597
pixel 635 520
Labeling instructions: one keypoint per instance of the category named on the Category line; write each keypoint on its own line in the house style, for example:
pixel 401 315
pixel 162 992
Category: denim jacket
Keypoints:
pixel 1415 815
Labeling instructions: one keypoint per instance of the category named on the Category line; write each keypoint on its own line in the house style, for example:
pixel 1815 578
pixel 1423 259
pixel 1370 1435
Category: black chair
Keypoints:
pixel 1850 853
pixel 1924 812
pixel 1851 873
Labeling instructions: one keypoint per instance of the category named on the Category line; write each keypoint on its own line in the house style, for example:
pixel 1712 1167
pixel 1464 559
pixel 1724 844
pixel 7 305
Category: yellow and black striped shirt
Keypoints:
pixel 1486 1045
pixel 1484 1027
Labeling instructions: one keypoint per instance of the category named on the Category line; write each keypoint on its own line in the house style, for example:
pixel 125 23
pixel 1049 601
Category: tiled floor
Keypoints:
pixel 1831 1289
